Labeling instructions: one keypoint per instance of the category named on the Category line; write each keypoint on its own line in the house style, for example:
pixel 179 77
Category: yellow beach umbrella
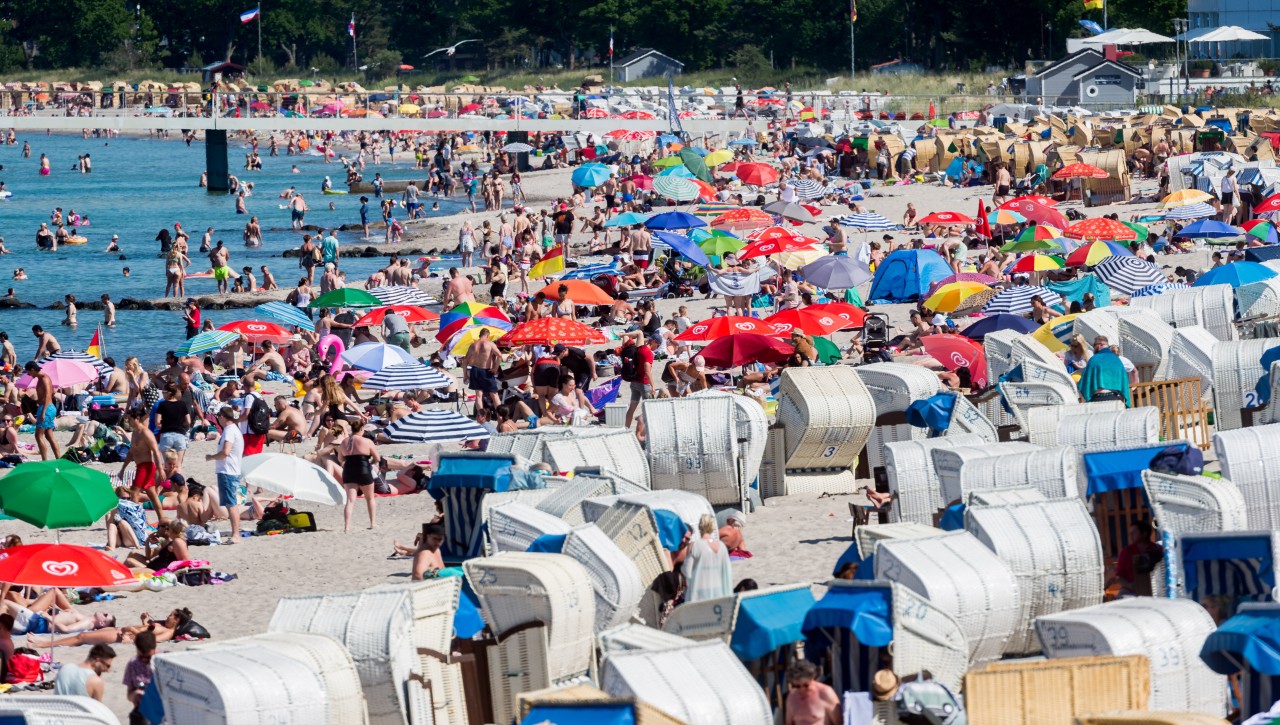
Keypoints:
pixel 800 257
pixel 717 157
pixel 1186 197
pixel 950 295
pixel 408 109
pixel 1056 333
pixel 460 343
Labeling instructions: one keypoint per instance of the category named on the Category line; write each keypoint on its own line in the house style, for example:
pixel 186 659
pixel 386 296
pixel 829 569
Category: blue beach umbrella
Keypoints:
pixel 684 246
pixel 987 325
pixel 627 219
pixel 674 220
pixel 1235 274
pixel 591 175
pixel 286 313
pixel 1209 229
pixel 682 171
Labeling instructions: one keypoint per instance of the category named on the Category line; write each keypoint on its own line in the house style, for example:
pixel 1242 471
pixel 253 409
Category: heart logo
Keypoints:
pixel 826 320
pixel 256 328
pixel 782 327
pixel 959 360
pixel 699 329
pixel 60 568
pixel 118 575
pixel 745 325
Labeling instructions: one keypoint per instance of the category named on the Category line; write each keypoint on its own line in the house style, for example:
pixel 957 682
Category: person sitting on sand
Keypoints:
pixel 290 425
pixel 127 525
pixel 163 547
pixel 427 561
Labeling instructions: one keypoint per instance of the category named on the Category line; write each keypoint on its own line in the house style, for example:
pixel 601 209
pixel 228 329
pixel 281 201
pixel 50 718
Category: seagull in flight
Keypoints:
pixel 450 50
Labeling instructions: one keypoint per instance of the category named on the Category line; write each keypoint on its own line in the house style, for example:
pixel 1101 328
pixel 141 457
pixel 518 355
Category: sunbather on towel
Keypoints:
pixel 178 624
pixel 52 612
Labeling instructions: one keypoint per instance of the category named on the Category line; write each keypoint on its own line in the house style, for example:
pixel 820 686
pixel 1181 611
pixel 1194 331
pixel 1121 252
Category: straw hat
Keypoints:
pixel 884 686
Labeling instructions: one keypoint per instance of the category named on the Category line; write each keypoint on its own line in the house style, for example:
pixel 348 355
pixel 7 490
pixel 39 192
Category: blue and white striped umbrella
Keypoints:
pixel 407 376
pixel 867 221
pixel 286 313
pixel 436 425
pixel 1158 288
pixel 1198 210
pixel 1127 275
pixel 206 342
pixel 84 357
pixel 402 295
pixel 374 356
pixel 1017 300
pixel 810 189
pixel 675 187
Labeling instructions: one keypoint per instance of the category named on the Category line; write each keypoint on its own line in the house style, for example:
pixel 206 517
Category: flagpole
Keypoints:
pixel 853 53
pixel 610 56
pixel 259 34
pixel 355 56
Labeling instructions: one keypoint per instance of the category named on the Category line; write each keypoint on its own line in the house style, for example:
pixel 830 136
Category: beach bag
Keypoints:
pixel 1175 460
pixel 24 668
pixel 630 356
pixel 115 454
pixel 107 416
pixel 302 521
pixel 198 535
pixel 191 630
pixel 259 416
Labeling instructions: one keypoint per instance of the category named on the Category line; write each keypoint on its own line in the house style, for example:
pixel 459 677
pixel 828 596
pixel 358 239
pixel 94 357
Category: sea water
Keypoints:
pixel 137 187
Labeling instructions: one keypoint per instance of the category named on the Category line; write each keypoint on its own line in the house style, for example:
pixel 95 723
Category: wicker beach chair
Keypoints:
pixel 1051 471
pixel 692 445
pixel 434 603
pixel 702 684
pixel 567 699
pixel 1042 384
pixel 513 526
pixel 1053 550
pixel 967 419
pixel 616 452
pixel 1100 322
pixel 913 480
pixel 1211 307
pixel 1191 356
pixel 998 347
pixel 690 507
pixel 325 655
pixel 716 618
pixel 1053 691
pixel 1194 504
pixel 532 443
pixel 1146 339
pixel 1003 497
pixel 638 637
pixel 894 386
pixel 752 431
pixel 56 710
pixel 1259 299
pixel 1101 431
pixel 1231 564
pixel 1042 420
pixel 1250 458
pixel 615 578
pixel 491 501
pixel 566 500
pixel 867 537
pixel 949 462
pixel 1028 349
pixel 962 577
pixel 1237 366
pixel 825 417
pixel 1169 632
pixel 1271 413
pixel 247 685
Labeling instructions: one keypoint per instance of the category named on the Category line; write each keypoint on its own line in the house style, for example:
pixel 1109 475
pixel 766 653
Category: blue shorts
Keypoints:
pixel 228 489
pixel 173 442
pixel 47 416
pixel 276 377
pixel 35 624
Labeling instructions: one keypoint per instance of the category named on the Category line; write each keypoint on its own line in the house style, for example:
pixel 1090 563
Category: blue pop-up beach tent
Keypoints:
pixel 905 276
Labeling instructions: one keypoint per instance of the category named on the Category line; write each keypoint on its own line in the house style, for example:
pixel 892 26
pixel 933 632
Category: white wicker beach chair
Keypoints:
pixel 513 526
pixel 1271 413
pixel 1100 322
pixel 1237 366
pixel 692 445
pixel 1194 504
pixel 519 662
pixel 1211 307
pixel 491 501
pixel 1170 632
pixel 242 686
pixel 967 419
pixel 1026 348
pixel 962 577
pixel 1250 458
pixel 1100 431
pixel 866 537
pixel 1042 420
pixel 1003 497
pixel 884 434
pixel 614 576
pixel 325 655
pixel 531 443
pixel 1146 339
pixel 616 452
pixel 1053 550
pixel 753 432
pixel 702 684
pixel 57 710
pixel 1259 299
pixel 991 404
pixel 715 618
pixel 638 637
pixel 1051 471
pixel 565 500
pixel 1042 384
pixel 948 463
pixel 826 415
pixel 376 626
pixel 690 507
pixel 1191 356
pixel 909 466
pixel 998 347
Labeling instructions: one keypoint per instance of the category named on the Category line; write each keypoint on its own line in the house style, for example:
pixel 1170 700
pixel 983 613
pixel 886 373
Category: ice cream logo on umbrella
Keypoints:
pixel 782 327
pixel 747 326
pixel 700 329
pixel 60 568
pixel 827 321
pixel 959 360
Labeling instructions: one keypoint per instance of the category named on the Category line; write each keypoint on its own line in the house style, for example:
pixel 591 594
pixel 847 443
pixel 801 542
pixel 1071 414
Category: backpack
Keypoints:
pixel 630 370
pixel 259 416
pixel 115 454
pixel 24 668
pixel 1186 462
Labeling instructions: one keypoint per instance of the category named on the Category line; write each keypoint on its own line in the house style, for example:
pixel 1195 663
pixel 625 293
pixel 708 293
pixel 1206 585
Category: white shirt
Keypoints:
pixel 788 193
pixel 230 465
pixel 1229 185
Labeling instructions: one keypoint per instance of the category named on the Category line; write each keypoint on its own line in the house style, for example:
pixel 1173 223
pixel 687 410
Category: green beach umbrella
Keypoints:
pixel 1030 245
pixel 346 297
pixel 306 83
pixel 719 246
pixel 1140 229
pixel 668 161
pixel 828 353
pixel 56 494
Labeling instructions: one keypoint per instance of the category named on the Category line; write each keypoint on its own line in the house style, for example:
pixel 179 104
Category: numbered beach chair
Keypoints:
pixel 1237 367
pixel 1191 356
pixel 615 578
pixel 565 501
pixel 1051 471
pixel 701 683
pixel 249 685
pixel 56 710
pixel 894 387
pixel 1250 458
pixel 514 526
pixel 913 480
pixel 1194 504
pixel 692 445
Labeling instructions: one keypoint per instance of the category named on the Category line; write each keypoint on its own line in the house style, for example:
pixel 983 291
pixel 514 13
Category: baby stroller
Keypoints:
pixel 875 338
pixel 679 283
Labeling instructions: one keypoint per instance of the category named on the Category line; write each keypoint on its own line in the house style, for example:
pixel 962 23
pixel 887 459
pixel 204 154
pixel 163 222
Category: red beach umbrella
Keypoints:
pixel 735 350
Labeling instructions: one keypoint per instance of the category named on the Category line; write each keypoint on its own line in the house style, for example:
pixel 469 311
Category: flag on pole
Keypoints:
pixel 610 43
pixel 853 11
pixel 550 264
pixel 1094 4
pixel 250 16
pixel 95 345
pixel 351 26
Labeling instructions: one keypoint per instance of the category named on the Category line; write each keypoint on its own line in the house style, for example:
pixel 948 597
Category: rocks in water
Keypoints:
pixel 12 303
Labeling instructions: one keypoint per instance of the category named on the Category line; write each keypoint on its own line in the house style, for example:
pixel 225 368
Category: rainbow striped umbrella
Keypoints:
pixel 468 314
pixel 1038 263
pixel 1089 254
pixel 1039 233
pixel 1004 216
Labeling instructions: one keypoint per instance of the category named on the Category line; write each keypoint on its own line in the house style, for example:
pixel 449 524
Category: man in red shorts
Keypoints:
pixel 144 454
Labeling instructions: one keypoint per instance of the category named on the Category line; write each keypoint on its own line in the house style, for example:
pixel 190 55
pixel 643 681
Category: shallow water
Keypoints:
pixel 138 186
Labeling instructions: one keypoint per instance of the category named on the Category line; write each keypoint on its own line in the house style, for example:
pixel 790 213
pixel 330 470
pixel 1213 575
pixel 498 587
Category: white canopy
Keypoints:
pixel 1228 34
pixel 1127 36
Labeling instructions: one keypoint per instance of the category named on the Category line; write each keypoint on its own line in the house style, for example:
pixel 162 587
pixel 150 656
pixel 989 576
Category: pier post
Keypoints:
pixel 215 159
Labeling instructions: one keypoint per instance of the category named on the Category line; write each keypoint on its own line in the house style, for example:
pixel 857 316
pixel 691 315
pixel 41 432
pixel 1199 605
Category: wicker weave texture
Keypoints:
pixel 998 347
pixel 1237 366
pixel 1100 322
pixel 894 386
pixel 968 419
pixel 1100 431
pixel 909 466
pixel 513 526
pixel 1146 339
pixel 243 686
pixel 1027 348
pixel 1250 458
pixel 753 430
pixel 520 662
pixel 1053 550
pixel 962 577
pixel 1169 632
pixel 1191 355
pixel 692 445
pixel 614 576
pixel 1259 299
pixel 927 638
pixel 948 464
pixel 59 710
pixel 704 620
pixel 827 413
pixel 566 500
pixel 1055 691
pixel 1004 497
pixel 867 536
pixel 703 684
pixel 1042 421
pixel 1211 307
pixel 1052 471
pixel 434 602
pixel 617 452
pixel 632 527
pixel 1194 504
pixel 631 637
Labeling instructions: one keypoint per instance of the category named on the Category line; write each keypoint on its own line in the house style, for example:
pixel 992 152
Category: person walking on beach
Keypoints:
pixel 84 679
pixel 707 568
pixel 138 673
pixel 46 412
pixel 359 458
pixel 466 243
pixel 227 468
pixel 482 365
pixel 144 454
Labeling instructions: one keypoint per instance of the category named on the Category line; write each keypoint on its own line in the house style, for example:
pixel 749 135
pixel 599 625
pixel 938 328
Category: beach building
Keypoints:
pixel 647 63
pixel 1087 76
pixel 1257 15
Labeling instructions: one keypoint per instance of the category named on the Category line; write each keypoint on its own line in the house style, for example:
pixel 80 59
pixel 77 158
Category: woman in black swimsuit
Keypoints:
pixel 358 456
pixel 174 535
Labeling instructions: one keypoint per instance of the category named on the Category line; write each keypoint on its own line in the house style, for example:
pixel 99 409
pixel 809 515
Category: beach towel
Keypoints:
pixel 1105 372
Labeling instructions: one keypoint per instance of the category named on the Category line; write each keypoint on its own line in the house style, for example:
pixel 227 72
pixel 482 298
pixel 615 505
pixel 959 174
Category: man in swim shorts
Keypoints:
pixel 46 412
pixel 144 454
pixel 482 362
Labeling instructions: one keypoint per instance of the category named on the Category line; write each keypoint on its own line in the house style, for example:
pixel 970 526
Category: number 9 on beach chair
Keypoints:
pixel 692 445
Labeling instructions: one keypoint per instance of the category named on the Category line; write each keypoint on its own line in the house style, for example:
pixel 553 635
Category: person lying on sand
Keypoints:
pixel 52 612
pixel 177 624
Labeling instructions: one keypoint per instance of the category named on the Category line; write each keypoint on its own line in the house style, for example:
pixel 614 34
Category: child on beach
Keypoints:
pixel 137 674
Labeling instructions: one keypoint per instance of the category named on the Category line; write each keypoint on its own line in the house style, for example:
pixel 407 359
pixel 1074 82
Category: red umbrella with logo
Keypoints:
pixel 744 218
pixel 767 247
pixel 1081 171
pixel 734 350
pixel 1100 228
pixel 957 351
pixel 1036 211
pixel 61 566
pixel 258 331
pixel 1271 203
pixel 411 314
pixel 716 327
pixel 773 234
pixel 1037 198
pixel 945 217
pixel 809 320
pixel 852 315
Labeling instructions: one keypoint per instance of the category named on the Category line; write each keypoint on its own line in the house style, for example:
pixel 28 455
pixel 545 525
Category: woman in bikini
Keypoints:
pixel 159 555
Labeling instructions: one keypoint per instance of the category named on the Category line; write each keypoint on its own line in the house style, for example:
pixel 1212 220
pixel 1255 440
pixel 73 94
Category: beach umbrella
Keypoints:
pixel 949 296
pixel 1033 198
pixel 517 148
pixel 411 314
pixel 553 330
pixel 289 475
pixel 1017 300
pixel 1140 229
pixel 713 209
pixel 581 291
pixel 62 566
pixel 1209 229
pixel 683 245
pixel 434 426
pixel 1262 229
pixel 473 313
pixel 56 494
pixel 810 320
pixel 675 188
pixel 674 220
pixel 346 297
pixel 591 271
pixel 974 303
pixel 1100 228
pixel 642 181
pixel 767 247
pixel 374 356
pixel 1039 232
pixel 744 218
pixel 835 272
pixel 714 328
pixel 1080 171
pixel 84 357
pixel 756 174
pixel 961 277
pixel 1235 274
pixel 955 352
pixel 801 257
pixel 717 157
pixel 735 350
pixel 627 219
pixel 867 221
pixel 718 246
pixel 1090 253
pixel 257 331
pixel 1056 333
pixel 994 323
pixel 408 376
pixel 744 141
pixel 1269 204
pixel 461 341
pixel 810 189
pixel 774 234
pixel 206 342
pixel 401 295
pixel 1158 288
pixel 1031 245
pixel 1127 275
pixel 852 315
pixel 1005 216
pixel 667 162
pixel 286 313
pixel 1185 197
pixel 589 176
pixel 828 352
pixel 945 217
pixel 791 211
pixel 681 171
pixel 1037 263
pixel 1036 211
pixel 1198 210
